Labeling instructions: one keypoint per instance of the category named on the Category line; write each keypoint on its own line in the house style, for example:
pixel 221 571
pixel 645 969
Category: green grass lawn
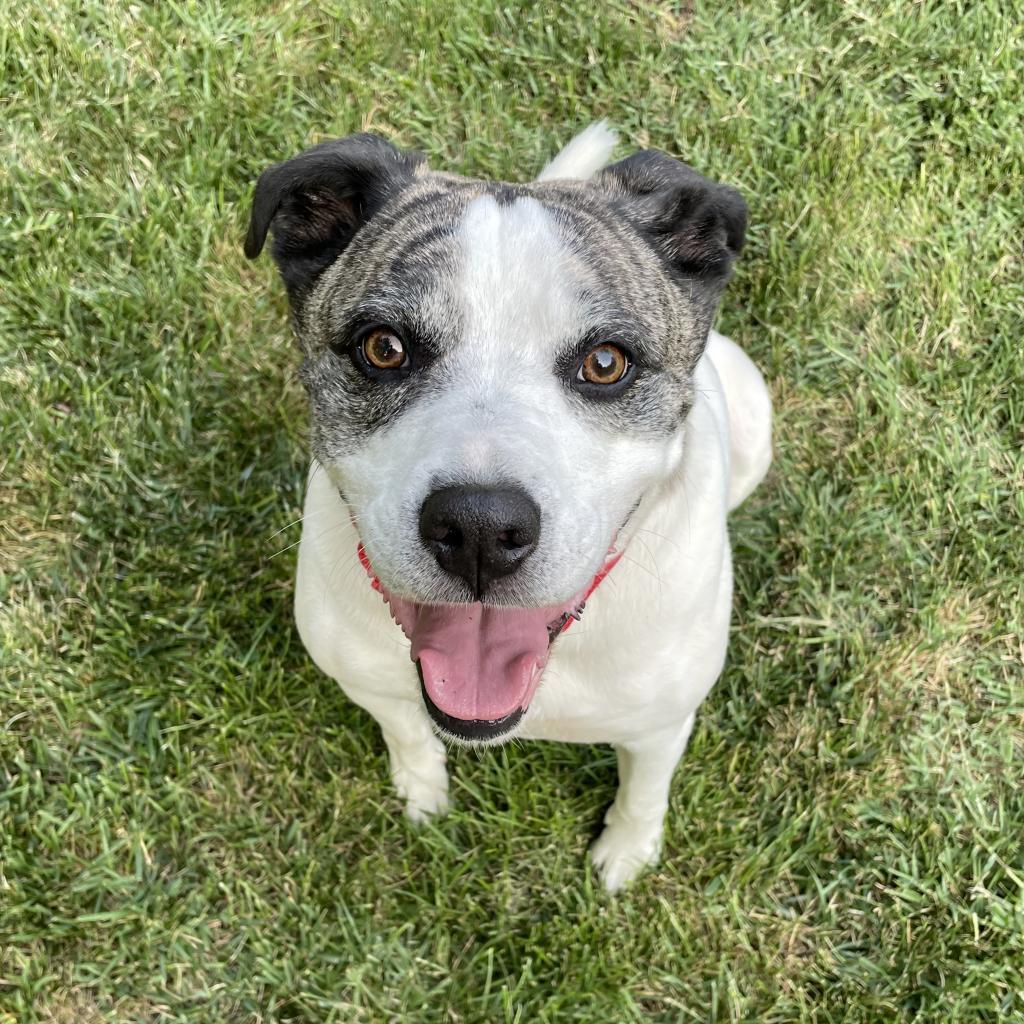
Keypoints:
pixel 196 826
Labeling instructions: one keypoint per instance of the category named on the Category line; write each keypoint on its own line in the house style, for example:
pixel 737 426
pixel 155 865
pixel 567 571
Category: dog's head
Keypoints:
pixel 498 375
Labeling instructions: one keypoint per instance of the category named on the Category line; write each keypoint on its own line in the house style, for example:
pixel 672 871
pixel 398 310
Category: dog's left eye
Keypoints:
pixel 605 364
pixel 383 349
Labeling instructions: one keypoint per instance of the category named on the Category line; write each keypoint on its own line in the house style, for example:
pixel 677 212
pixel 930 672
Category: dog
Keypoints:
pixel 526 438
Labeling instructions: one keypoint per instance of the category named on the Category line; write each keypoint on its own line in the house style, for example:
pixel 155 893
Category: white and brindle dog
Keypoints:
pixel 518 408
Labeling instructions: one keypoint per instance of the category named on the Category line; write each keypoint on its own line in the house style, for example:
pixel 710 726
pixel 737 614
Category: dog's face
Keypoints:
pixel 498 375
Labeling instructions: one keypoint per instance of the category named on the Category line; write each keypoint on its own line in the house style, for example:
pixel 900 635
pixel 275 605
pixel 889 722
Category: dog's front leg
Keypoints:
pixel 631 838
pixel 417 756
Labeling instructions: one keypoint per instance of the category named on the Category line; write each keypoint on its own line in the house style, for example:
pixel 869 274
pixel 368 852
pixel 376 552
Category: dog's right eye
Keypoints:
pixel 383 349
pixel 606 364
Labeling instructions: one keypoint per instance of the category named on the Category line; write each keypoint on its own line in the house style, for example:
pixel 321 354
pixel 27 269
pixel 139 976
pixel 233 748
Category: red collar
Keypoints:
pixel 610 562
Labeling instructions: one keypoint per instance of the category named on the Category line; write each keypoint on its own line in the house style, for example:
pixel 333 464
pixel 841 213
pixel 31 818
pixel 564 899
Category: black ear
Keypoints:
pixel 318 200
pixel 697 225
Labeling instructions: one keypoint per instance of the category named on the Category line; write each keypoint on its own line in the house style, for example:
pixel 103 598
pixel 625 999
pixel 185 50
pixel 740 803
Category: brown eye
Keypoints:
pixel 606 364
pixel 384 349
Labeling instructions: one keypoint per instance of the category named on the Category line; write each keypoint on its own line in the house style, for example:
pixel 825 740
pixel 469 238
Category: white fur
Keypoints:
pixel 632 673
pixel 584 155
pixel 652 641
pixel 750 417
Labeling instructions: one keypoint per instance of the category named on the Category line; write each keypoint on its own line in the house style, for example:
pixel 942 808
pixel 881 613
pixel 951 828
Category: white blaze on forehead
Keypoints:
pixel 519 283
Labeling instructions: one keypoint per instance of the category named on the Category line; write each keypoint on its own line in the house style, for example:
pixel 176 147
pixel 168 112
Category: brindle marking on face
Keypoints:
pixel 646 248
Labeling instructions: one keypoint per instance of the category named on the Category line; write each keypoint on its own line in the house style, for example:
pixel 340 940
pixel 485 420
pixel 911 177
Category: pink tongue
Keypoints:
pixel 478 662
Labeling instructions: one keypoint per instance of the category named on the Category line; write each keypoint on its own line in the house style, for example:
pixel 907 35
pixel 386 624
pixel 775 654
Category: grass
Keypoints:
pixel 195 826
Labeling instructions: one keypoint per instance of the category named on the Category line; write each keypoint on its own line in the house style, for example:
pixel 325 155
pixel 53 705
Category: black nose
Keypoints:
pixel 480 533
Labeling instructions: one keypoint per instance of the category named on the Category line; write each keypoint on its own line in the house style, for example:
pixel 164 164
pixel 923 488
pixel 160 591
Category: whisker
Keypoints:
pixel 641 567
pixel 661 582
pixel 295 522
pixel 333 526
pixel 660 536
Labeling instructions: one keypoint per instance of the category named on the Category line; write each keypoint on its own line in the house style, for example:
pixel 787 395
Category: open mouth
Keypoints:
pixel 479 665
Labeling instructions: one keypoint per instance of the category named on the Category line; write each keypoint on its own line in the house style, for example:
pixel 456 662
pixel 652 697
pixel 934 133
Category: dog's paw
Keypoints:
pixel 426 796
pixel 425 805
pixel 623 849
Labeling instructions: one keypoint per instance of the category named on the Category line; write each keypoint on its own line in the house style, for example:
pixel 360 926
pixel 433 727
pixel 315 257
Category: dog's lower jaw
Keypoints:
pixel 469 732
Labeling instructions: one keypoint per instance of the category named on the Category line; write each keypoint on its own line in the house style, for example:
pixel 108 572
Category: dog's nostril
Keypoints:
pixel 510 540
pixel 449 536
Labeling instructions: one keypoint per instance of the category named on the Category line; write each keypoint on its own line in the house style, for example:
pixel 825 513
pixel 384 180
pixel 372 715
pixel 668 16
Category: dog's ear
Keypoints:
pixel 696 224
pixel 316 202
